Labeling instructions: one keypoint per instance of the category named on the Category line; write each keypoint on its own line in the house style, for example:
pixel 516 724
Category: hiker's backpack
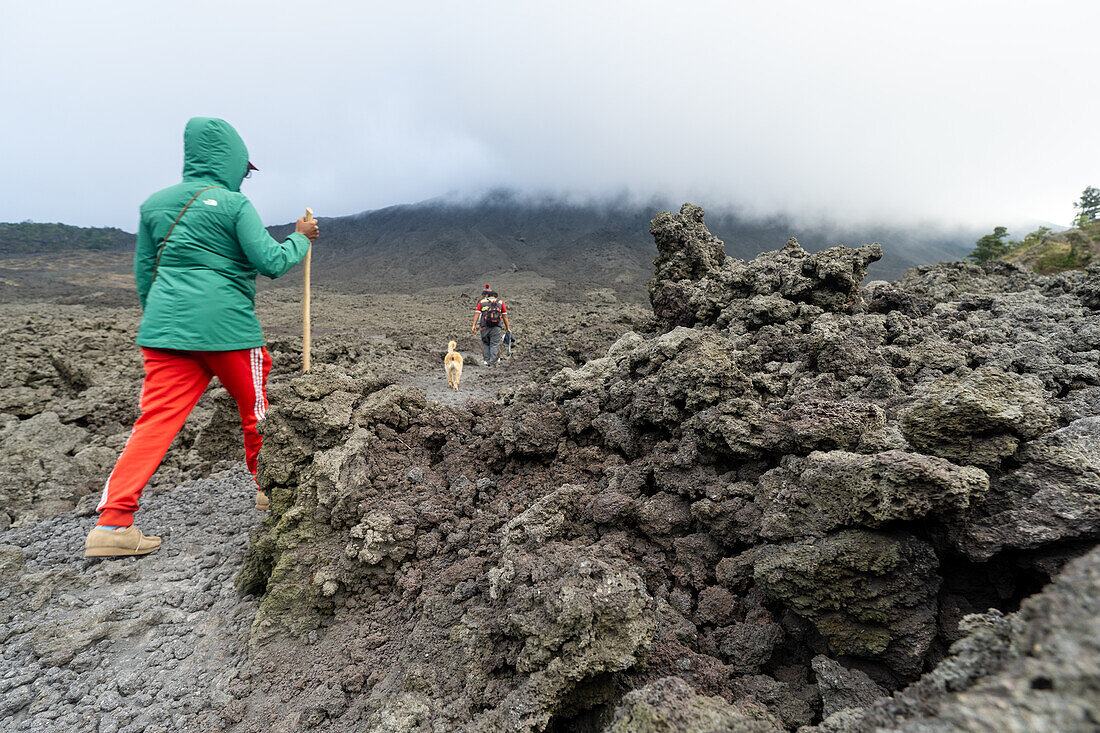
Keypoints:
pixel 490 313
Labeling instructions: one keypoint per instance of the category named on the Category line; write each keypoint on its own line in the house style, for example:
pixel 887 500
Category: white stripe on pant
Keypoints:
pixel 257 357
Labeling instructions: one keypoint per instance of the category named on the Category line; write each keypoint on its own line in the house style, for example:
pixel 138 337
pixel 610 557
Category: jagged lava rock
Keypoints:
pixel 869 594
pixel 1054 496
pixel 979 419
pixel 1035 670
pixel 669 705
pixel 789 465
pixel 825 491
pixel 694 280
pixel 843 688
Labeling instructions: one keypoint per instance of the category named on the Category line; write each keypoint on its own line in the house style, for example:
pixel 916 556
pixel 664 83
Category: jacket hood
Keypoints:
pixel 213 150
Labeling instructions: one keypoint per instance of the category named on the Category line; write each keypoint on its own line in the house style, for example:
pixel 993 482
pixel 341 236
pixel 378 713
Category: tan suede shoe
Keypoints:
pixel 119 543
pixel 262 502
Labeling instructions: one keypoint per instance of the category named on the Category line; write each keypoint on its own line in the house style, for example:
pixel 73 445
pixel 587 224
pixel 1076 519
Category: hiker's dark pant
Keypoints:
pixel 490 344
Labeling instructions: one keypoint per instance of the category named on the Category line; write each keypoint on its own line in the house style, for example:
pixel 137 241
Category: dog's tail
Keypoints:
pixel 451 346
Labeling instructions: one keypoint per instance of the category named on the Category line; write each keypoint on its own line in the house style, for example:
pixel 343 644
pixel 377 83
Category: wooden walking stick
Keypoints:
pixel 305 302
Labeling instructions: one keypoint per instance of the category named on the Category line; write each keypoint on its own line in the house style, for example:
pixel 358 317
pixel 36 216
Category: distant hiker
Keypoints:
pixel 481 299
pixel 200 246
pixel 489 315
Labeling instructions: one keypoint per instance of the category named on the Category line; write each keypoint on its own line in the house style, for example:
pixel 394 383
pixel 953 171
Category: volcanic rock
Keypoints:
pixel 979 419
pixel 1054 495
pixel 1037 670
pixel 868 594
pixel 790 465
pixel 825 491
pixel 669 705
pixel 695 282
pixel 842 688
pixel 773 501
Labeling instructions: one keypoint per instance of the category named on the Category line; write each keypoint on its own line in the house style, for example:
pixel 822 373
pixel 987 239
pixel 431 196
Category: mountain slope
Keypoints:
pixel 579 246
pixel 34 238
pixel 1068 250
pixel 405 248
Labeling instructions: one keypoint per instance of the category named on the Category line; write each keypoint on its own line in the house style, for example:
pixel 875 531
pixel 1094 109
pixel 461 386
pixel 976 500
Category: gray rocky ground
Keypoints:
pixel 70 374
pixel 785 499
pixel 150 644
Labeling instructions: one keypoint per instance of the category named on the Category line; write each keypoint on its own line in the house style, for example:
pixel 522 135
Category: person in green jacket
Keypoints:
pixel 200 246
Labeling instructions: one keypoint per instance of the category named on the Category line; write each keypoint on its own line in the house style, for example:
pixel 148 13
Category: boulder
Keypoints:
pixel 47 465
pixel 826 491
pixel 1054 496
pixel 842 688
pixel 743 428
pixel 532 429
pixel 869 594
pixel 669 705
pixel 978 419
pixel 1036 670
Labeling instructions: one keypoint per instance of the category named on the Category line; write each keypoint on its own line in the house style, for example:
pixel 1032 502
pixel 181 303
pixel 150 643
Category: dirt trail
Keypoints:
pixel 478 382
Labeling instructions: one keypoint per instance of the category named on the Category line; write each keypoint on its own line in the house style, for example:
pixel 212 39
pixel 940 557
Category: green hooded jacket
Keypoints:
pixel 203 295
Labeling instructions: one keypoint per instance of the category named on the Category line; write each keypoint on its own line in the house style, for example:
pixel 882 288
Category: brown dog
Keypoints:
pixel 452 364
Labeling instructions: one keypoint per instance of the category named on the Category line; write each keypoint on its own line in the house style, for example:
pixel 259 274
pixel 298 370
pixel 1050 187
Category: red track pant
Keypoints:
pixel 174 382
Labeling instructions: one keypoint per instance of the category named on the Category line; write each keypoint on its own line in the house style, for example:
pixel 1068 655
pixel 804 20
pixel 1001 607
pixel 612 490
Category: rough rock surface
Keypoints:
pixel 868 594
pixel 150 644
pixel 842 688
pixel 67 400
pixel 696 282
pixel 1054 496
pixel 978 419
pixel 789 466
pixel 1036 670
pixel 782 495
pixel 669 705
pixel 825 491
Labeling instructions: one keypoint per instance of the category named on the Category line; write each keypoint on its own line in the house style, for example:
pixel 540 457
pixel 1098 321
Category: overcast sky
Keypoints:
pixel 962 112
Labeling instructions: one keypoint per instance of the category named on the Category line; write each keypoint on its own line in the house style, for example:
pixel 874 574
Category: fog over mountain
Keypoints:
pixel 580 244
pixel 585 244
